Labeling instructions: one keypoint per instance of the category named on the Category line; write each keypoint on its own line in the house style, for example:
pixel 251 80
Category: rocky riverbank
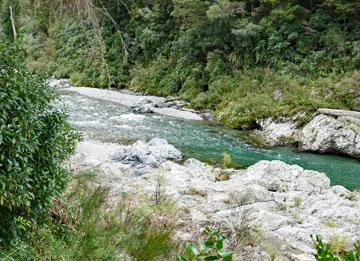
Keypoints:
pixel 269 209
pixel 138 102
pixel 327 132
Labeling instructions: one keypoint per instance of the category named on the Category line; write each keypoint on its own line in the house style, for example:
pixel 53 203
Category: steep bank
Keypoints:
pixel 279 205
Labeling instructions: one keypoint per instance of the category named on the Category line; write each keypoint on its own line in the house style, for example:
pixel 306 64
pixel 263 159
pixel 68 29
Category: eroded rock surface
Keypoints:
pixel 324 133
pixel 284 203
pixel 281 131
pixel 329 134
pixel 151 153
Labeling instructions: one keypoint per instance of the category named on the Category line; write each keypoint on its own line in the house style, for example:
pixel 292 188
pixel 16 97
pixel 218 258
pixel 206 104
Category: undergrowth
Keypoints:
pixel 245 59
pixel 82 226
pixel 332 252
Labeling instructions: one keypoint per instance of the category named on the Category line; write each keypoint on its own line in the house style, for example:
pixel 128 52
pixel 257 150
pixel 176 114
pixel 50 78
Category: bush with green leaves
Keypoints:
pixel 326 252
pixel 35 140
pixel 228 55
pixel 210 249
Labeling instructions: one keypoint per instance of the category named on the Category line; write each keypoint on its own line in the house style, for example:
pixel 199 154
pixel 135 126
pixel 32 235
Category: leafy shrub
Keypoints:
pixel 243 232
pixel 232 61
pixel 210 249
pixel 35 140
pixel 297 201
pixel 326 252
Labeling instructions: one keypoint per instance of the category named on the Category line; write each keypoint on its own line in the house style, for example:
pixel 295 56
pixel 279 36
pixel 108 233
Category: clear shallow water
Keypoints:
pixel 114 123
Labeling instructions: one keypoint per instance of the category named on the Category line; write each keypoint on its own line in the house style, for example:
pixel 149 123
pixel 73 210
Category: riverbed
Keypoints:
pixel 112 122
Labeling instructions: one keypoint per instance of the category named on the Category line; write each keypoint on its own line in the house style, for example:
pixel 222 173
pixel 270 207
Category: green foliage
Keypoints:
pixel 83 228
pixel 297 201
pixel 227 162
pixel 326 252
pixel 210 249
pixel 227 55
pixel 5 21
pixel 35 140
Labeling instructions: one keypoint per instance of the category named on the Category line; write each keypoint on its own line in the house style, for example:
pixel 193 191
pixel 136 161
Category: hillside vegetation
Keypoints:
pixel 246 59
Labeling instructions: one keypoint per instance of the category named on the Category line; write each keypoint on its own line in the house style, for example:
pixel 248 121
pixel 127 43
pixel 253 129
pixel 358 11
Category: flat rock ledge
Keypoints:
pixel 338 113
pixel 284 204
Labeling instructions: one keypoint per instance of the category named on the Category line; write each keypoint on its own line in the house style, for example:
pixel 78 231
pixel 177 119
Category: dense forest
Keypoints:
pixel 245 59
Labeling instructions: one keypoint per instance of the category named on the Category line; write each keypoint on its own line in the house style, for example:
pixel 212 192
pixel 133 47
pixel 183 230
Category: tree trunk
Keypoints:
pixel 12 18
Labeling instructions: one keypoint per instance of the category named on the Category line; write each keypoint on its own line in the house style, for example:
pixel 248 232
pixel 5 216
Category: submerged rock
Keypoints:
pixel 329 134
pixel 152 153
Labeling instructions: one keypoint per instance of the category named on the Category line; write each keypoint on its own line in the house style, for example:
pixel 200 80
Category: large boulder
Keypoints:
pixel 277 176
pixel 280 131
pixel 329 134
pixel 151 153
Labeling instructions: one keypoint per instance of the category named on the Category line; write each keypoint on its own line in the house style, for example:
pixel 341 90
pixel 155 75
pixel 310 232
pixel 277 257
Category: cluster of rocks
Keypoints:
pixel 172 102
pixel 58 83
pixel 330 131
pixel 147 105
pixel 279 205
pixel 139 102
pixel 169 104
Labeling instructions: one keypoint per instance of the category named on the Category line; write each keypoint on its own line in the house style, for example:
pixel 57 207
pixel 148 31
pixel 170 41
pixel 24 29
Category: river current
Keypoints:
pixel 109 122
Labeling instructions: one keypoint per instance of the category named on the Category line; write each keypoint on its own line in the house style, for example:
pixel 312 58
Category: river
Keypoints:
pixel 110 122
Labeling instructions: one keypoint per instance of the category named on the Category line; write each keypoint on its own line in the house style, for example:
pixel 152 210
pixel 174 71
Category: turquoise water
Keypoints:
pixel 114 123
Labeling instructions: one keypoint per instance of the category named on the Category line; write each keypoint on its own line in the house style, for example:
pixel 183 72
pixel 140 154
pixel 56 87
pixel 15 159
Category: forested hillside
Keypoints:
pixel 91 174
pixel 246 59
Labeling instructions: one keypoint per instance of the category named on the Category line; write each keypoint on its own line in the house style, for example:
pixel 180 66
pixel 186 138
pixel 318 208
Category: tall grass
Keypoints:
pixel 82 226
